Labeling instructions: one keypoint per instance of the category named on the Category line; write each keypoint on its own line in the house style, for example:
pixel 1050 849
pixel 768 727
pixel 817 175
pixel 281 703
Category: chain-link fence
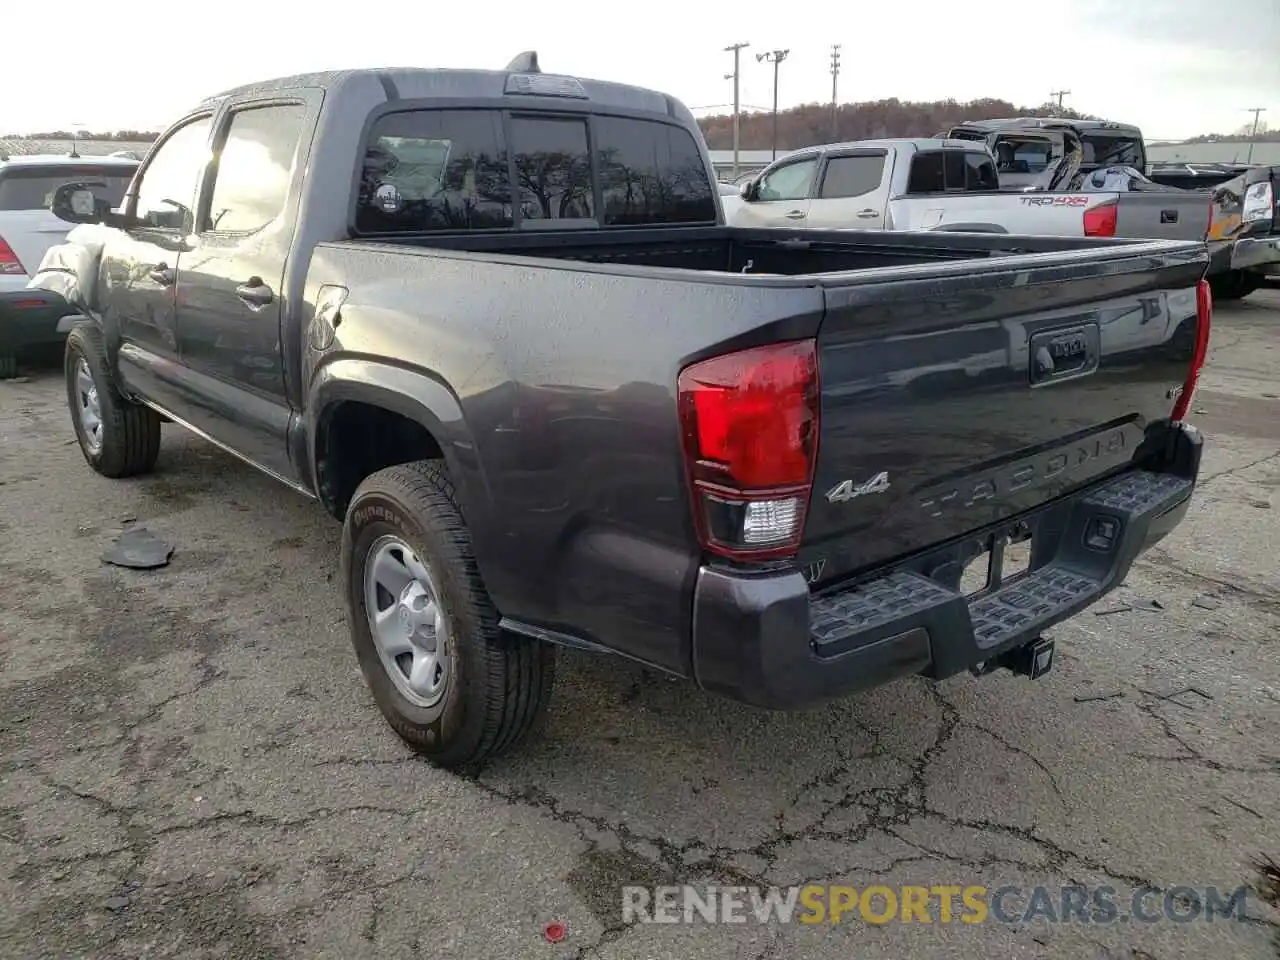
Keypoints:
pixel 86 148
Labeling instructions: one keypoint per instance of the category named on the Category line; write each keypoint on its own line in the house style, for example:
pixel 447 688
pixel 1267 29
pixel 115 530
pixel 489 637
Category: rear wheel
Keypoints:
pixel 446 678
pixel 119 438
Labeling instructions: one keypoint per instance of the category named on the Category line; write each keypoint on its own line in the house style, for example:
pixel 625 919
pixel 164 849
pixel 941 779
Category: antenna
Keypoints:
pixel 526 62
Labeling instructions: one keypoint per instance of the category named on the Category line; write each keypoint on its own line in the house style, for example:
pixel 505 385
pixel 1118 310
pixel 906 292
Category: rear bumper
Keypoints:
pixel 767 641
pixel 31 317
pixel 1261 255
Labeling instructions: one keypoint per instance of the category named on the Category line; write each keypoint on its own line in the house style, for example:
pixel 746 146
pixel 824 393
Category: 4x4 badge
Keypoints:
pixel 846 489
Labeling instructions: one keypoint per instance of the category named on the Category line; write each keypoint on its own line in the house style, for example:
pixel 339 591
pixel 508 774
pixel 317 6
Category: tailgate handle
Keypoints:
pixel 1168 216
pixel 1064 354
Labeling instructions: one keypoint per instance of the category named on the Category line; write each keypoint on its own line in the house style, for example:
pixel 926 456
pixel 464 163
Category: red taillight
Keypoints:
pixel 1100 221
pixel 1204 320
pixel 750 424
pixel 10 265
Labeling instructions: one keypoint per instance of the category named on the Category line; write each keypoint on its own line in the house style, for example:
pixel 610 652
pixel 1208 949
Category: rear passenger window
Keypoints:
pixel 650 173
pixel 951 170
pixel 428 170
pixel 553 168
pixel 851 176
pixel 926 173
pixel 980 173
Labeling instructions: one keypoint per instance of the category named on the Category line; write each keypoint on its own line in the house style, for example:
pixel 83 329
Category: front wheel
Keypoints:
pixel 445 677
pixel 119 438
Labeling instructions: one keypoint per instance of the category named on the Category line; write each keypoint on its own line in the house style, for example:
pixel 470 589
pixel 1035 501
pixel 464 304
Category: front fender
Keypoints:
pixel 70 269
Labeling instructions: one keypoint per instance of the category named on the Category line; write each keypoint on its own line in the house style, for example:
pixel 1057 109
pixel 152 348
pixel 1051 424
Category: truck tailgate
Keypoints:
pixel 958 400
pixel 1164 216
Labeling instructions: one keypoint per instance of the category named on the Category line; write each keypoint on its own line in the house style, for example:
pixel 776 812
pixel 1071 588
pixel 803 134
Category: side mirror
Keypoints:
pixel 77 203
pixel 748 191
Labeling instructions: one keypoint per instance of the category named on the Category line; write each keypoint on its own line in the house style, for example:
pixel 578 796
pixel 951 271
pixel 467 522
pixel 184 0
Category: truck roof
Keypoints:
pixel 1082 125
pixel 419 83
pixel 917 143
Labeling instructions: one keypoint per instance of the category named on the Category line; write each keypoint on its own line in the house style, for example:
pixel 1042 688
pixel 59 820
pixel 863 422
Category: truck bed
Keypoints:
pixel 926 346
pixel 792 253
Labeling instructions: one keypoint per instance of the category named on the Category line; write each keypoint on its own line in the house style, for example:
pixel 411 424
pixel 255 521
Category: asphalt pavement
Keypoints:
pixel 191 767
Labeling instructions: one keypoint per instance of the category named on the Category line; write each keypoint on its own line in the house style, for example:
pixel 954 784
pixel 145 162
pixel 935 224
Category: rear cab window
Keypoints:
pixel 31 186
pixel 952 171
pixel 448 170
pixel 1113 151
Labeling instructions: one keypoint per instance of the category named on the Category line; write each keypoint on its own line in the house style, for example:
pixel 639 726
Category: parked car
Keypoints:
pixel 904 184
pixel 32 318
pixel 554 400
pixel 730 197
pixel 1251 205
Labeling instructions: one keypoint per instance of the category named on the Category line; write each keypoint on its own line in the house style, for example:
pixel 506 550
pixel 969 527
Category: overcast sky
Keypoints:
pixel 1174 67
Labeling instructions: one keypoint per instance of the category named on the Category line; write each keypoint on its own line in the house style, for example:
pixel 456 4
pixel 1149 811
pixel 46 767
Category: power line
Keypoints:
pixel 775 57
pixel 728 106
pixel 835 76
pixel 1059 94
pixel 735 49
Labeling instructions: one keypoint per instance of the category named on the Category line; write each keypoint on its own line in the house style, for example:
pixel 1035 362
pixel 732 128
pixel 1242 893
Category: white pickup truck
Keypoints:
pixel 933 184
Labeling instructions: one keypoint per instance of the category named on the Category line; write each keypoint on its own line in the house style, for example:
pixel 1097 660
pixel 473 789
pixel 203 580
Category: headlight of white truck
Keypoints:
pixel 1259 203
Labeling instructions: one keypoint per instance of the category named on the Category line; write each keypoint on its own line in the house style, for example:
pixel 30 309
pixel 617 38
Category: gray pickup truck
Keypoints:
pixel 494 322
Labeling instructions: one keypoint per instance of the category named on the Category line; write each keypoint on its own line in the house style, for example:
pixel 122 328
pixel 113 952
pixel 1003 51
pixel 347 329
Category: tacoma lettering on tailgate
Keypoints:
pixel 1054 464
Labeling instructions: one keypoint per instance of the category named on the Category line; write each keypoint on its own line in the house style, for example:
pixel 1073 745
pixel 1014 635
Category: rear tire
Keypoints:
pixel 1234 285
pixel 407 554
pixel 119 438
pixel 8 366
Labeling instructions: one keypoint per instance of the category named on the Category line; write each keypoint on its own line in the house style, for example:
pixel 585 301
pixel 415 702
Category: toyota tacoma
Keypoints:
pixel 494 322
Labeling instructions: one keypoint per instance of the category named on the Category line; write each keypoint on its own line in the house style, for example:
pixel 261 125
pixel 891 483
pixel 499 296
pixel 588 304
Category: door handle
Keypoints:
pixel 255 293
pixel 1168 216
pixel 161 274
pixel 794 214
pixel 868 213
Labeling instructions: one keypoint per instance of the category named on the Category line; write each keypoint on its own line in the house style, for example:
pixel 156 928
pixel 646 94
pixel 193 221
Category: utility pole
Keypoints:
pixel 775 57
pixel 835 74
pixel 735 49
pixel 1059 94
pixel 1257 112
